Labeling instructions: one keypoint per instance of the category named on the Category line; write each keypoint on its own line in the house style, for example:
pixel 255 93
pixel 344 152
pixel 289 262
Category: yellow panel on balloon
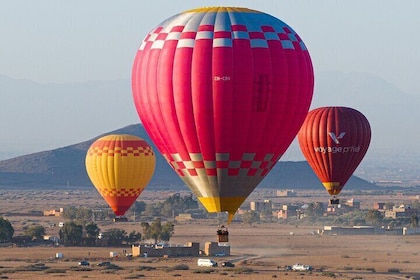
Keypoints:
pixel 222 204
pixel 333 188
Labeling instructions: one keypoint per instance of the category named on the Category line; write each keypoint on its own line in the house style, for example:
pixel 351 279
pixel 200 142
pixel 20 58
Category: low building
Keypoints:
pixel 191 249
pixel 383 206
pixel 288 211
pixel 360 230
pixel 183 217
pixel 216 249
pixel 286 193
pixel 400 212
pixel 352 203
pixel 54 212
pixel 355 230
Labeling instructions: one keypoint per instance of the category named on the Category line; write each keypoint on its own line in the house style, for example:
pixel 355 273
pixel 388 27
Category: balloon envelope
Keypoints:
pixel 120 166
pixel 222 92
pixel 334 141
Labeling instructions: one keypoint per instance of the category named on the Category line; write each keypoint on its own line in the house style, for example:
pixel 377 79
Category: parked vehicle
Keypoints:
pixel 84 263
pixel 301 267
pixel 206 262
pixel 104 264
pixel 227 264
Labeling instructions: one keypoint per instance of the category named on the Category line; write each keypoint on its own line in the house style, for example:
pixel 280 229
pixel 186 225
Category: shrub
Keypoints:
pixel 328 274
pixel 55 270
pixel 136 276
pixel 180 267
pixel 205 271
pixel 394 270
pixel 147 268
pixel 371 269
pixel 243 270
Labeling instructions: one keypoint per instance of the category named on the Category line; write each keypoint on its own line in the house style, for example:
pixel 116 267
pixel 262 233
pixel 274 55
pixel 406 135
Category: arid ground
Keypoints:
pixel 259 252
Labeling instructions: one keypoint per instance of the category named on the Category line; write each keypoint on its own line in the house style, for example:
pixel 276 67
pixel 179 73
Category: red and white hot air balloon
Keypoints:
pixel 222 92
pixel 334 141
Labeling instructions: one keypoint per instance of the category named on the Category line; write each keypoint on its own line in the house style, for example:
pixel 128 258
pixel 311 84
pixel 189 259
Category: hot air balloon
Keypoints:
pixel 334 141
pixel 222 92
pixel 120 166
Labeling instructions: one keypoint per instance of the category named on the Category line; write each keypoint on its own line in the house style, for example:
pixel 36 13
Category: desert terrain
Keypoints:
pixel 260 251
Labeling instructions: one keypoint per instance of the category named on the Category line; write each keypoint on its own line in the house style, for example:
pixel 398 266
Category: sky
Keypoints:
pixel 51 41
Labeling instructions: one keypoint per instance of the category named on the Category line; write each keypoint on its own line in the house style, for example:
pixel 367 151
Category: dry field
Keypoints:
pixel 259 252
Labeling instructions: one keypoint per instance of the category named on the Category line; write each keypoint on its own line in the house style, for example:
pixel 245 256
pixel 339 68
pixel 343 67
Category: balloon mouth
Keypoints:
pixel 222 204
pixel 119 204
pixel 333 188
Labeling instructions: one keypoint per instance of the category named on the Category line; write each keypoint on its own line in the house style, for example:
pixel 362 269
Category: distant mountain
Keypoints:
pixel 65 168
pixel 392 113
pixel 36 117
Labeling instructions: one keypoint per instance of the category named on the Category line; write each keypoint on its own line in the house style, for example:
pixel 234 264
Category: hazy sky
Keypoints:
pixel 51 41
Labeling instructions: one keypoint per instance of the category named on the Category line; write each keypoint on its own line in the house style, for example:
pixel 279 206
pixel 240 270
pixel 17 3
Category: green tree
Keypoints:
pixel 176 204
pixel 415 205
pixel 250 217
pixel 115 236
pixel 36 232
pixel 315 209
pixel 138 207
pixel 153 210
pixel 374 217
pixel 6 230
pixel 81 214
pixel 92 230
pixel 71 234
pixel 414 221
pixel 133 237
pixel 157 231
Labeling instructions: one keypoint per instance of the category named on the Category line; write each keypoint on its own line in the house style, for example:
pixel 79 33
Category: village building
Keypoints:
pixel 191 249
pixel 54 212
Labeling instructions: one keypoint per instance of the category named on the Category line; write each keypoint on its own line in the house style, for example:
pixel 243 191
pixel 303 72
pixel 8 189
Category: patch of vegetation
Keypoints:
pixel 371 269
pixel 394 270
pixel 243 270
pixel 347 268
pixel 135 276
pixel 77 268
pixel 55 270
pixel 146 268
pixel 113 266
pixel 328 274
pixel 33 267
pixel 205 271
pixel 345 256
pixel 180 267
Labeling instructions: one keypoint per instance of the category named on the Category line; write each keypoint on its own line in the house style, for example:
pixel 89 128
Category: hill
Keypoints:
pixel 65 168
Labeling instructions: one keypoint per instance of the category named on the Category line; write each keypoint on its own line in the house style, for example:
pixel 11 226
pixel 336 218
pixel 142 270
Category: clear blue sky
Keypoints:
pixel 52 41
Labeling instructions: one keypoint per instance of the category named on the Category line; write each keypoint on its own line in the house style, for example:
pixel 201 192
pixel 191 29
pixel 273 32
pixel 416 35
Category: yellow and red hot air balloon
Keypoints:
pixel 222 92
pixel 334 141
pixel 120 166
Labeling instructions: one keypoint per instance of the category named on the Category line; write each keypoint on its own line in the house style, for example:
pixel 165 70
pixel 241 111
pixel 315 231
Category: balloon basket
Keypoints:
pixel 334 201
pixel 222 235
pixel 120 219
